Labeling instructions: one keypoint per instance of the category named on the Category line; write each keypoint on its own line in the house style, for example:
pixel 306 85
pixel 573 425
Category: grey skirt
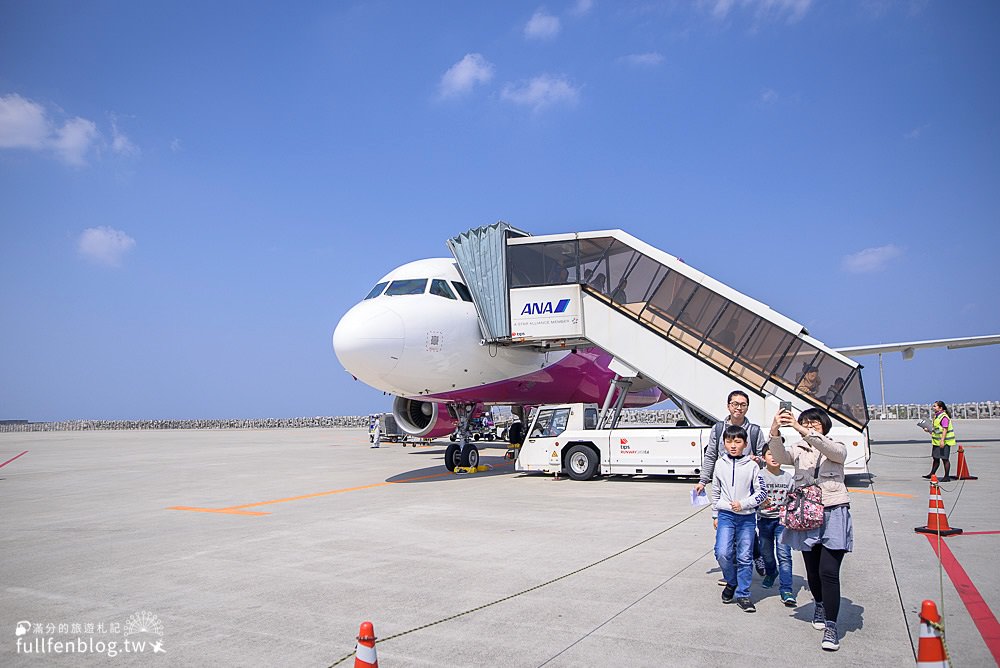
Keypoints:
pixel 836 533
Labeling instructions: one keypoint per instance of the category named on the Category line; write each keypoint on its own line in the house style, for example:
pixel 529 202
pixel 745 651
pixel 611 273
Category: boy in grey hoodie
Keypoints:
pixel 737 489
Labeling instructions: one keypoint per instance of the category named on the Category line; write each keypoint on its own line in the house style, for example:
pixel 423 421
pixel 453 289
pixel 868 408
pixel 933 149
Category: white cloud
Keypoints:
pixel 175 145
pixel 581 8
pixel 649 59
pixel 762 10
pixel 541 92
pixel 104 245
pixel 72 141
pixel 121 144
pixel 719 8
pixel 22 123
pixel 871 259
pixel 542 25
pixel 462 76
pixel 916 133
pixel 768 96
pixel 26 125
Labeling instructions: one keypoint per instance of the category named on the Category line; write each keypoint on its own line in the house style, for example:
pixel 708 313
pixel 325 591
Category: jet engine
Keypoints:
pixel 423 419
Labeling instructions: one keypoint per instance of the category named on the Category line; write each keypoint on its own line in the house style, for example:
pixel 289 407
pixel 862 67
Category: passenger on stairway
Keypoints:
pixel 809 380
pixel 727 337
pixel 618 294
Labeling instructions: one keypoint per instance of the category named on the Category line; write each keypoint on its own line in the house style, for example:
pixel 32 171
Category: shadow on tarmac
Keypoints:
pixel 851 617
pixel 438 473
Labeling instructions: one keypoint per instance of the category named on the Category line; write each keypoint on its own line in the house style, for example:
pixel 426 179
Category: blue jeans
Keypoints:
pixel 734 540
pixel 770 543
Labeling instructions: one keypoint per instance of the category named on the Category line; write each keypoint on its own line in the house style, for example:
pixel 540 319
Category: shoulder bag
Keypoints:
pixel 803 509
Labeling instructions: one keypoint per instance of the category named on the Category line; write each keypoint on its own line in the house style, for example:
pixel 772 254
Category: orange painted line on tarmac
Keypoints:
pixel 868 491
pixel 239 510
pixel 338 491
pixel 224 511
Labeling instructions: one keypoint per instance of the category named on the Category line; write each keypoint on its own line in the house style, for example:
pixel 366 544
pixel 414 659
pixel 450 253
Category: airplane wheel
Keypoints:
pixel 453 438
pixel 581 462
pixel 451 457
pixel 470 456
pixel 475 437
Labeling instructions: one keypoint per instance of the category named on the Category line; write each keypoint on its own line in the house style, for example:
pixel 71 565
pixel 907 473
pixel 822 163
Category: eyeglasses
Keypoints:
pixel 739 404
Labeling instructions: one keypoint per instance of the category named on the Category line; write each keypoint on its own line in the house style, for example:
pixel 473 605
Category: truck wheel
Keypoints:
pixel 451 456
pixel 581 462
pixel 470 456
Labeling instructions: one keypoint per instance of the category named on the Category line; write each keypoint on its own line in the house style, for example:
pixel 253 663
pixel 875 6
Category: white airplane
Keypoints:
pixel 417 336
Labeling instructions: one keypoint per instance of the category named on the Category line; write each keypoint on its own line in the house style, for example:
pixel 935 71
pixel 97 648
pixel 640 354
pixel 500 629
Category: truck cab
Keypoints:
pixel 565 438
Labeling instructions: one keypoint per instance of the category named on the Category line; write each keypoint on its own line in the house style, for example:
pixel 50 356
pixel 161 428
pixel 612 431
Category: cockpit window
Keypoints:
pixel 462 291
pixel 377 290
pixel 409 286
pixel 441 289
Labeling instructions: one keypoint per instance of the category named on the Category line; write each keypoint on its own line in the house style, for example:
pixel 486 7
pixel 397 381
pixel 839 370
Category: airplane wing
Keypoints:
pixel 908 347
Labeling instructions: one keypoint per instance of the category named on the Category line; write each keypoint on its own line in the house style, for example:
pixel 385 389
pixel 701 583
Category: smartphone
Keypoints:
pixel 786 406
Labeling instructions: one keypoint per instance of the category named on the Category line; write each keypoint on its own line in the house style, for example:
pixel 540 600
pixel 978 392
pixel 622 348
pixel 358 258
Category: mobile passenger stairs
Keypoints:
pixel 666 324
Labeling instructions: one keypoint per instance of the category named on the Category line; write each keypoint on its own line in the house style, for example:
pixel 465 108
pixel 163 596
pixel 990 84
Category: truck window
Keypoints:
pixel 551 422
pixel 590 418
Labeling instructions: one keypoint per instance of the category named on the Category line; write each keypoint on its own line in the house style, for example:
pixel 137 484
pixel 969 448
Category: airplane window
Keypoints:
pixel 377 290
pixel 441 289
pixel 463 292
pixel 409 286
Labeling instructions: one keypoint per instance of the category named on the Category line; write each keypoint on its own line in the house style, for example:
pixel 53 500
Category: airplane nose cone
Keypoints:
pixel 369 340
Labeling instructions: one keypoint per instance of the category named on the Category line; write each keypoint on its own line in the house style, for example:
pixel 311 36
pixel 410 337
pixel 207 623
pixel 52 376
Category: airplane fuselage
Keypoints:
pixel 417 336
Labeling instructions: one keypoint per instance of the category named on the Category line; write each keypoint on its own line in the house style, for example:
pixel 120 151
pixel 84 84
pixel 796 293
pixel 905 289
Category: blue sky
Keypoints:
pixel 192 194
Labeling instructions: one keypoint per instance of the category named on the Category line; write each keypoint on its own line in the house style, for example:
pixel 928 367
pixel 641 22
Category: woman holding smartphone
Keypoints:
pixel 818 460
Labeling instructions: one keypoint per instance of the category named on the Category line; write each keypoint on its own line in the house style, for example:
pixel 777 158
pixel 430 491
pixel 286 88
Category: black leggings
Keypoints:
pixel 823 574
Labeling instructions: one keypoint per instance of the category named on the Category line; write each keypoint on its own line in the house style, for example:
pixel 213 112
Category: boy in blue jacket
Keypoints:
pixel 737 489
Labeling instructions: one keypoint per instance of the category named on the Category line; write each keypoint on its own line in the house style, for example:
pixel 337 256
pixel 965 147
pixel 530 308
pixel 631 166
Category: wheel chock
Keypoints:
pixel 472 469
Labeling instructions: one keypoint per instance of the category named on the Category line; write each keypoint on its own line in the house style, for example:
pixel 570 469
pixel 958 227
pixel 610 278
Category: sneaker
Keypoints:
pixel 831 639
pixel 728 593
pixel 788 598
pixel 819 617
pixel 746 605
pixel 768 581
pixel 722 582
pixel 758 565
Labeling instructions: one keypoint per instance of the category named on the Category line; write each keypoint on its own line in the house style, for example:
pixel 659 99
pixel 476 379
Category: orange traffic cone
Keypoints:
pixel 937 520
pixel 931 652
pixel 365 655
pixel 963 466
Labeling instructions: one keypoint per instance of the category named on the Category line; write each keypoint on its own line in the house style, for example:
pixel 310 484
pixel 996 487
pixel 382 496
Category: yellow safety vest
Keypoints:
pixel 949 436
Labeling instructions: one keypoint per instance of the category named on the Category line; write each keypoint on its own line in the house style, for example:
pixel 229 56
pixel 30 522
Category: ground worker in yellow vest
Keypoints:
pixel 942 438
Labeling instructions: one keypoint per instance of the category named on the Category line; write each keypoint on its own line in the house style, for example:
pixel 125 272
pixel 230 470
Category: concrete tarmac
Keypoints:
pixel 270 547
